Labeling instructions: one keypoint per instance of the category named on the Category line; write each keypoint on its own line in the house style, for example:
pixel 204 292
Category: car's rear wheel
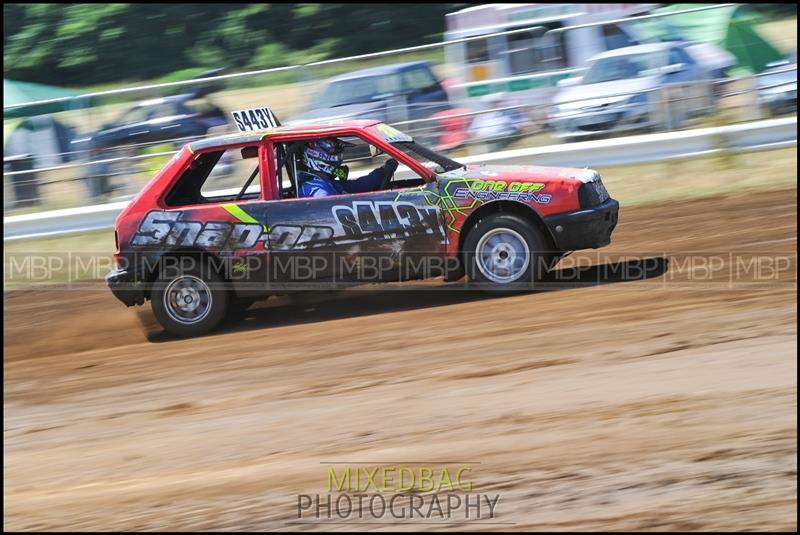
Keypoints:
pixel 504 251
pixel 189 300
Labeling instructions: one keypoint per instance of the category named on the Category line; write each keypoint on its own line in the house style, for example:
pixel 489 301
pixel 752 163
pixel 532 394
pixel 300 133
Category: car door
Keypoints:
pixel 694 82
pixel 141 130
pixel 174 121
pixel 366 237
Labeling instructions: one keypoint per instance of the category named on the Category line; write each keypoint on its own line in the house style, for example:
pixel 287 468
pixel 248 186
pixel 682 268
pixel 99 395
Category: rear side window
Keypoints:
pixel 136 115
pixel 223 175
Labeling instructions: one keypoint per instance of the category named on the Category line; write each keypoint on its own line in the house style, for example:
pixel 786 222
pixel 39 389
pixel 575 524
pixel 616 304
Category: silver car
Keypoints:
pixel 777 87
pixel 642 87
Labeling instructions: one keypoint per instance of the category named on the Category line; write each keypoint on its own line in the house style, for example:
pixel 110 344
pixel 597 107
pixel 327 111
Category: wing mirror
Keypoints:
pixel 674 68
pixel 568 82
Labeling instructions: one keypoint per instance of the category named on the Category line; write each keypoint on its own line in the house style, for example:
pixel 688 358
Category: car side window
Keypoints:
pixel 678 55
pixel 134 115
pixel 417 80
pixel 388 84
pixel 220 175
pixel 360 159
pixel 166 109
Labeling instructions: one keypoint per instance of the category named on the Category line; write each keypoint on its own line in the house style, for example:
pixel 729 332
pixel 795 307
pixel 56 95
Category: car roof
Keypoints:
pixel 253 137
pixel 647 48
pixel 379 71
pixel 165 100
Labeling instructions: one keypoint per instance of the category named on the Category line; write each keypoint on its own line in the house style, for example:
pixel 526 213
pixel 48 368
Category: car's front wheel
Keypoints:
pixel 189 300
pixel 504 251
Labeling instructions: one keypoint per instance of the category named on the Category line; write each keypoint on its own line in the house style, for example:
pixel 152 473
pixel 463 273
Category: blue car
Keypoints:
pixel 391 94
pixel 158 120
pixel 172 119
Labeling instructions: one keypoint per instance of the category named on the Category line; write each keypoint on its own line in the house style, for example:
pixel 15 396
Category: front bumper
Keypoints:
pixel 126 287
pixel 584 229
pixel 607 121
pixel 779 102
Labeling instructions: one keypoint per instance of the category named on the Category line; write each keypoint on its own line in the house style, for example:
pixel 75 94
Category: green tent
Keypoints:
pixel 729 27
pixel 15 93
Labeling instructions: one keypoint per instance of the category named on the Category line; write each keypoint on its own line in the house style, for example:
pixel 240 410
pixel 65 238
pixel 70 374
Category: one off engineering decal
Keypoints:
pixel 489 190
pixel 459 196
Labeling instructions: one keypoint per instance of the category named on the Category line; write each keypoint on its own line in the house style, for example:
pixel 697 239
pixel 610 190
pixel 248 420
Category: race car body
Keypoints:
pixel 193 244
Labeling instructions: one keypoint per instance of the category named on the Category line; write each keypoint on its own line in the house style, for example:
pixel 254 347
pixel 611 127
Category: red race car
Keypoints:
pixel 228 221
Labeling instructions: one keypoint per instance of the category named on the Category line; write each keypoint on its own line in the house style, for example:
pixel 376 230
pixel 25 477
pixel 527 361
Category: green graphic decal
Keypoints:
pixel 459 196
pixel 391 134
pixel 236 211
pixel 445 201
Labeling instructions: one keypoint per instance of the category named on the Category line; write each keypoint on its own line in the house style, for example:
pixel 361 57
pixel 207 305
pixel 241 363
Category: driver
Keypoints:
pixel 322 159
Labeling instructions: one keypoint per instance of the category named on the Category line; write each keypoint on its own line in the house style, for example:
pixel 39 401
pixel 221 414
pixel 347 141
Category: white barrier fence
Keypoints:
pixel 759 135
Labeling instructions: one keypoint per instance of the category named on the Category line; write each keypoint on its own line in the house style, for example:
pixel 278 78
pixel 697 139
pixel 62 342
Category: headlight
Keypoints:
pixel 639 98
pixel 779 89
pixel 591 194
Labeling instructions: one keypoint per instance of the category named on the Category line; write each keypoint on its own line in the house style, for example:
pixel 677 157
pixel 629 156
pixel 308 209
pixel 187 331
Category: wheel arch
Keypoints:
pixel 522 210
pixel 186 252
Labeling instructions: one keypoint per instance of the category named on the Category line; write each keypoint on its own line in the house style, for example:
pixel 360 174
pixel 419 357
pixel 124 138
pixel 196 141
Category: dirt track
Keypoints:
pixel 663 403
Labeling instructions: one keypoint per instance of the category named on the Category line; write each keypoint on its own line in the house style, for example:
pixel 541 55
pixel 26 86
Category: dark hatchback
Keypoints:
pixel 158 120
pixel 391 94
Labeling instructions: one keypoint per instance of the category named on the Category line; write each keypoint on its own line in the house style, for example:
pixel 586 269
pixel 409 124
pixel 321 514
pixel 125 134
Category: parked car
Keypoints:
pixel 621 90
pixel 498 125
pixel 160 120
pixel 197 248
pixel 390 94
pixel 777 87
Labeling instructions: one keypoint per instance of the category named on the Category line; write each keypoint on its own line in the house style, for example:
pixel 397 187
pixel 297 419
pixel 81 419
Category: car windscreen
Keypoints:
pixel 624 67
pixel 358 90
pixel 427 157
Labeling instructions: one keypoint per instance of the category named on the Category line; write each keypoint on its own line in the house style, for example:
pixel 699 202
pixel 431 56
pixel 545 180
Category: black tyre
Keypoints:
pixel 189 298
pixel 505 252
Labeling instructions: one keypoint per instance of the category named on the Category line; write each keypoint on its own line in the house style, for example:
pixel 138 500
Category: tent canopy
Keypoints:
pixel 729 27
pixel 15 92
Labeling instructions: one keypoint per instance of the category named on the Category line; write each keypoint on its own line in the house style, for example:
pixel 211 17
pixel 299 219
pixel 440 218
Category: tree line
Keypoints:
pixel 84 44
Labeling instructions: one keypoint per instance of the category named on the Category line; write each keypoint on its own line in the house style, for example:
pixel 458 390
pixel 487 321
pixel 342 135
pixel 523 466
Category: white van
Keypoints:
pixel 529 63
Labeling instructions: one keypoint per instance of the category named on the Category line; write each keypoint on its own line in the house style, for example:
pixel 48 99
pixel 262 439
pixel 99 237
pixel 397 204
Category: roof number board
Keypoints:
pixel 254 119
